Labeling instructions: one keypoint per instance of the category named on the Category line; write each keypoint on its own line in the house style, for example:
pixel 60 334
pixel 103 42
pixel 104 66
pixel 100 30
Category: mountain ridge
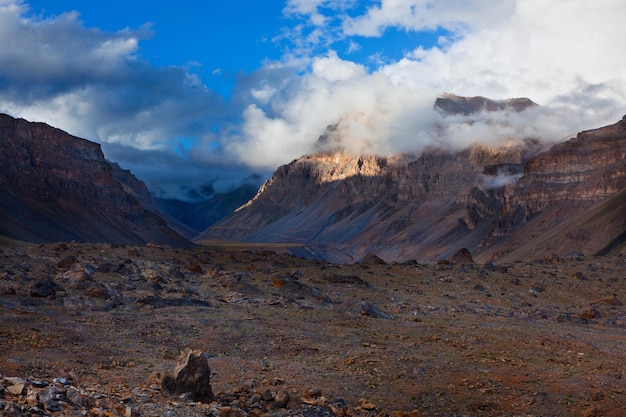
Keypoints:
pixel 58 187
pixel 426 208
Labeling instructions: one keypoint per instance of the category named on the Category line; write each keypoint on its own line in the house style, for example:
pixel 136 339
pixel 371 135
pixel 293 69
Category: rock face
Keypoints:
pixel 499 203
pixel 397 208
pixel 571 198
pixel 57 187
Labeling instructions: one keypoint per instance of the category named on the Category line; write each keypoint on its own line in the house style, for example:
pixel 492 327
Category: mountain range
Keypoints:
pixel 523 200
pixel 519 201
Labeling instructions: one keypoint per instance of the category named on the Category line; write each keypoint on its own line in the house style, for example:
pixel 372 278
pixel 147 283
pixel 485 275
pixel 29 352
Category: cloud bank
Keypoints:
pixel 177 135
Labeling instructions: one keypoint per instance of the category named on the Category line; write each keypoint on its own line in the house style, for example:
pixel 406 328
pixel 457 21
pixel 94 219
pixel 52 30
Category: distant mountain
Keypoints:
pixel 137 188
pixel 452 104
pixel 198 216
pixel 506 203
pixel 58 187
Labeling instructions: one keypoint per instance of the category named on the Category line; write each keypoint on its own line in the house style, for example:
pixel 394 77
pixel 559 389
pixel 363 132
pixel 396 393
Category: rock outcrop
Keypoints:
pixel 58 187
pixel 192 377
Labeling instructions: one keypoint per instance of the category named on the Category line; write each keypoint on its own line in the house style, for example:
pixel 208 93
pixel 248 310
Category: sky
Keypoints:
pixel 199 95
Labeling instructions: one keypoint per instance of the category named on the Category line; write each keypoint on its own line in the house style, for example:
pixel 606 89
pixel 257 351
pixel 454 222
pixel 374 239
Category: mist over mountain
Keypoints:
pixel 494 198
pixel 200 215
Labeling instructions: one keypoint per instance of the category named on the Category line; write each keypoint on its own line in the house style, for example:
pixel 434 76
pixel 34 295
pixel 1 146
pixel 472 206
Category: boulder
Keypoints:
pixel 191 377
pixel 462 256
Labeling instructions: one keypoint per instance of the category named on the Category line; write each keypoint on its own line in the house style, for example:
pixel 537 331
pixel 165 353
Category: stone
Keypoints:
pixel 16 389
pixel 67 262
pixel 368 309
pixel 281 399
pixel 191 375
pixel 230 412
pixel 371 259
pixel 49 399
pixel 44 288
pixel 462 256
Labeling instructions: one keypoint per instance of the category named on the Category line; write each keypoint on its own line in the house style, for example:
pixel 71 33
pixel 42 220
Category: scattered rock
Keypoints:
pixel 194 267
pixel 346 279
pixel 67 262
pixel 611 301
pixel 192 375
pixel 49 399
pixel 16 389
pixel 591 313
pixel 368 309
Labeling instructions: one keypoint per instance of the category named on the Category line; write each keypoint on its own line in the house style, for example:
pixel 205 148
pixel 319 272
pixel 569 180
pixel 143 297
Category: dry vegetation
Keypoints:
pixel 542 338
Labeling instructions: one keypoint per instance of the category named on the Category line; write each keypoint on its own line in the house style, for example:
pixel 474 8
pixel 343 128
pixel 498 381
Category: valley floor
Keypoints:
pixel 521 339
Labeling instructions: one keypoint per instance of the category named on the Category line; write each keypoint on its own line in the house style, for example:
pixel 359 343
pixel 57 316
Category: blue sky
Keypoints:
pixel 191 93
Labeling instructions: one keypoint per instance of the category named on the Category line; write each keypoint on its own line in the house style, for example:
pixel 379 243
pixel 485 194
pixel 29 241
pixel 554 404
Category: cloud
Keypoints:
pixel 560 54
pixel 421 15
pixel 166 126
pixel 94 84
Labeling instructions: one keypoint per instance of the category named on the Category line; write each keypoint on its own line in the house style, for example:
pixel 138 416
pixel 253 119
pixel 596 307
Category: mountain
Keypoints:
pixel 137 188
pixel 451 104
pixel 500 203
pixel 570 198
pixel 58 187
pixel 347 206
pixel 198 216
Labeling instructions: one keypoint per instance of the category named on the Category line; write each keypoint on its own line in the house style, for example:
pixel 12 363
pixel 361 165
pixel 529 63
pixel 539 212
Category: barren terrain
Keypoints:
pixel 287 336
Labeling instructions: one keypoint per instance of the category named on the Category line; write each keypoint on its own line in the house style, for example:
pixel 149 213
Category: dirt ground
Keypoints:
pixel 546 338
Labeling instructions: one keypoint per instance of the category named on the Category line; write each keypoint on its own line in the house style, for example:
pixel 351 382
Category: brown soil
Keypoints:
pixel 543 338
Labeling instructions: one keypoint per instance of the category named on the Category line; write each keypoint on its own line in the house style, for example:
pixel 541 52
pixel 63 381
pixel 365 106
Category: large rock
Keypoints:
pixel 192 376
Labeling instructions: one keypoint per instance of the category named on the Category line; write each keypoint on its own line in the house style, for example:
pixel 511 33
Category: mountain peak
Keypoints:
pixel 451 104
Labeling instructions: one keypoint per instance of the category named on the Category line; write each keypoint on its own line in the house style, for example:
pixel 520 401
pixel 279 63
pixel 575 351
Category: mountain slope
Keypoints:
pixel 500 203
pixel 57 187
pixel 198 216
pixel 399 208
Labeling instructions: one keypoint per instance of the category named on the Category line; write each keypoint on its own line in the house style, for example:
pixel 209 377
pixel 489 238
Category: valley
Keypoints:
pixel 544 337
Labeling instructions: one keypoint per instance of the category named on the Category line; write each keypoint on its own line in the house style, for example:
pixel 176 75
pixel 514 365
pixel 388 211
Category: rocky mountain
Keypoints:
pixel 137 188
pixel 198 216
pixel 500 203
pixel 451 104
pixel 57 187
pixel 570 198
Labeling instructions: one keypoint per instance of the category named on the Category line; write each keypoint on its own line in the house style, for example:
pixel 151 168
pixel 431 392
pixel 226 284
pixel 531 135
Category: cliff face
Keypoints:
pixel 400 207
pixel 570 198
pixel 54 186
pixel 590 167
pixel 501 204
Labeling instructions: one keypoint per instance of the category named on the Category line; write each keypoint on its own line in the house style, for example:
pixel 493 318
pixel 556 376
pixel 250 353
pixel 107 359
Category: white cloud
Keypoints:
pixel 565 55
pixel 420 15
pixel 561 54
pixel 92 84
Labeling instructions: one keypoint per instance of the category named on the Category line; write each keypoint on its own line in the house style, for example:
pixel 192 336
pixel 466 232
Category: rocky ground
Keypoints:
pixel 86 330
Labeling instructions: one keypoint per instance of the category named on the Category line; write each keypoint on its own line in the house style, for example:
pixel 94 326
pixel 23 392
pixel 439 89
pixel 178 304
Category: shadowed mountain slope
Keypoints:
pixel 57 187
